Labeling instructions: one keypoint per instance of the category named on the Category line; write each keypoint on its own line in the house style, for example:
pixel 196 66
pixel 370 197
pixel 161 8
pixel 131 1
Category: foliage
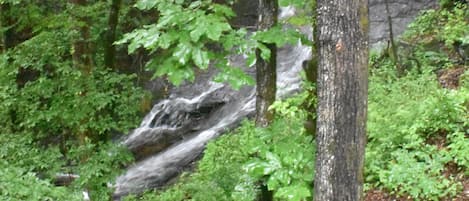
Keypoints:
pixel 445 26
pixel 59 99
pixel 195 33
pixel 405 116
pixel 23 164
pixel 54 118
pixel 98 166
pixel 17 184
pixel 233 166
pixel 182 35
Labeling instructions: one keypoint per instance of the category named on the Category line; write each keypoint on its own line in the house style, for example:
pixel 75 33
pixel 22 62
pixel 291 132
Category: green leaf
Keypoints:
pixel 200 58
pixel 265 51
pixel 293 193
pixel 251 60
pixel 146 4
pixel 234 76
pixel 215 27
pixel 223 10
pixel 183 53
pixel 259 168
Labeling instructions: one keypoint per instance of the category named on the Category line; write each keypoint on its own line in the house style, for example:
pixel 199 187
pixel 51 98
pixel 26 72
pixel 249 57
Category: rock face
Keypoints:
pixel 402 12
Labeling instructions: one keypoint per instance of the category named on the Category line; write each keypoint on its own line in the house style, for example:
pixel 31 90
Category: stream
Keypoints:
pixel 174 133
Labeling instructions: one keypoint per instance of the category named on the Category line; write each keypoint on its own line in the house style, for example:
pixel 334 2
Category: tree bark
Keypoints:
pixel 109 48
pixel 342 99
pixel 266 75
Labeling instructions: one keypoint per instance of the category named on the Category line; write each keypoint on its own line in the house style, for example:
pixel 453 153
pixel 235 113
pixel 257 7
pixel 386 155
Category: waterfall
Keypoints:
pixel 175 132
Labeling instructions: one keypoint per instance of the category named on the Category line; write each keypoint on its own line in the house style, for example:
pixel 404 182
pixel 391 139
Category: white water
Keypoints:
pixel 156 170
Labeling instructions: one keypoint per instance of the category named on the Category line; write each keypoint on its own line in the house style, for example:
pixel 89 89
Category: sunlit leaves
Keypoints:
pixel 200 58
pixel 279 36
pixel 146 4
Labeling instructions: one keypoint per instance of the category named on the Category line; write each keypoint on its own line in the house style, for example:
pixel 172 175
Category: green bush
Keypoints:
pixel 404 116
pixel 55 119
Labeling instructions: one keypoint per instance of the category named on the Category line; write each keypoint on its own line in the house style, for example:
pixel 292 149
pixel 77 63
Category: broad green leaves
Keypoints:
pixel 190 34
pixel 183 32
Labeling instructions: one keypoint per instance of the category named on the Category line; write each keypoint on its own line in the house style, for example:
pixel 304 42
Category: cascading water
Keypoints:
pixel 177 129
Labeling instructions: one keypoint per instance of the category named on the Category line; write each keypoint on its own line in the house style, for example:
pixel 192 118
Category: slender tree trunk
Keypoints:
pixel 342 96
pixel 392 48
pixel 266 75
pixel 81 55
pixel 109 48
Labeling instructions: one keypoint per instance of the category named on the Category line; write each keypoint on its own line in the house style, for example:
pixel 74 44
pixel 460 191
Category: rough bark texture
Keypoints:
pixel 342 96
pixel 266 75
pixel 109 48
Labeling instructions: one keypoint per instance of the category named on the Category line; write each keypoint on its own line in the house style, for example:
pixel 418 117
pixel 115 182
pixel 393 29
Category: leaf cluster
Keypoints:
pixel 191 34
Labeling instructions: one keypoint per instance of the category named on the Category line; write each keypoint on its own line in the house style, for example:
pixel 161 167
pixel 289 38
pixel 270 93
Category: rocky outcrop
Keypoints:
pixel 402 12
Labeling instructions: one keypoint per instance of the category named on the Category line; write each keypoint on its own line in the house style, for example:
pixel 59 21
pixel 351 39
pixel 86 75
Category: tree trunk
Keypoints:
pixel 266 75
pixel 342 99
pixel 81 53
pixel 392 48
pixel 109 48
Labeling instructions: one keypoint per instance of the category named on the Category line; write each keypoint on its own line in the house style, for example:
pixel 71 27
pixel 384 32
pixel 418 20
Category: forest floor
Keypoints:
pixel 448 78
pixel 380 195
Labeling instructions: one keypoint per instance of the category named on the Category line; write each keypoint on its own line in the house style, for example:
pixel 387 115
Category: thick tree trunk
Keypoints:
pixel 342 96
pixel 266 75
pixel 109 48
pixel 81 47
